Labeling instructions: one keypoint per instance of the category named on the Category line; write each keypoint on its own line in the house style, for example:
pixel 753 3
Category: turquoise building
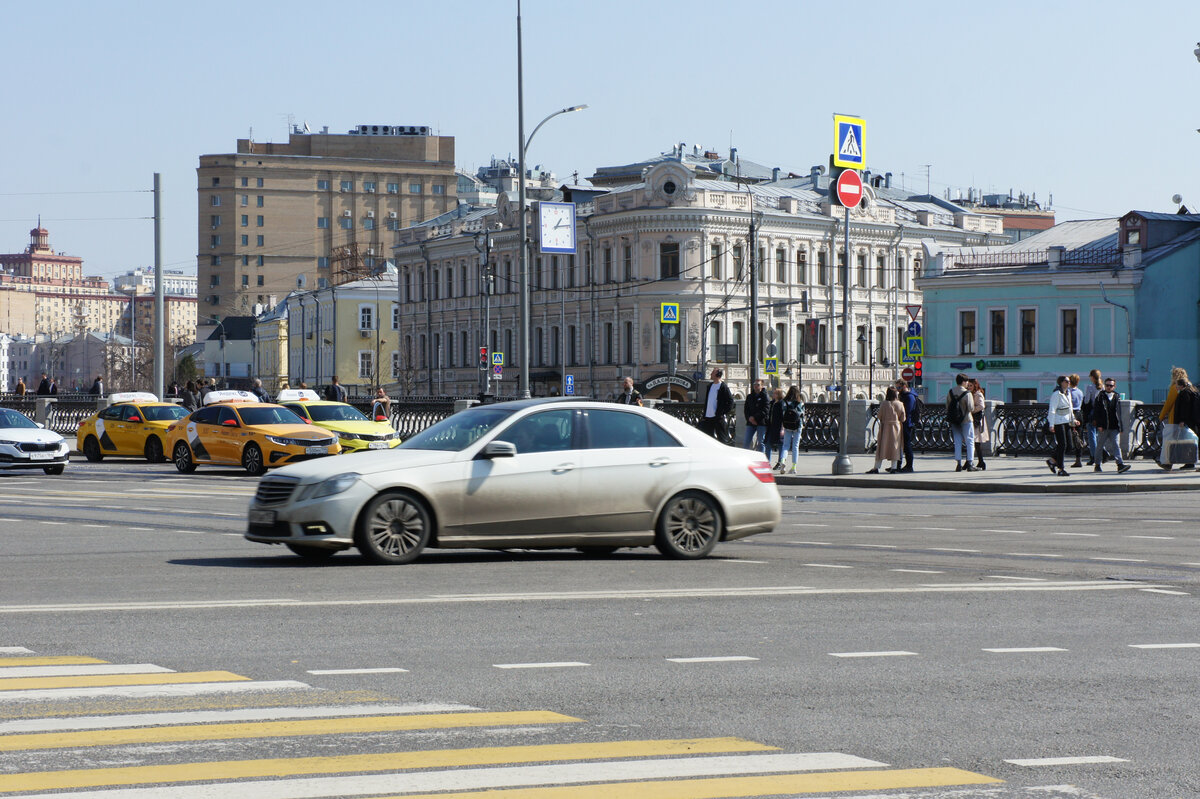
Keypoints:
pixel 1118 295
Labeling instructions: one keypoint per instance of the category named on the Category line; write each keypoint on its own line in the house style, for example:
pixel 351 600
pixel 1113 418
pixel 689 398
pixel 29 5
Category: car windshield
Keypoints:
pixel 164 413
pixel 11 418
pixel 459 431
pixel 268 414
pixel 336 413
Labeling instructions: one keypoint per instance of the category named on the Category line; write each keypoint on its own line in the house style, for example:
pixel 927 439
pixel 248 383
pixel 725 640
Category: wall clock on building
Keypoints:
pixel 556 227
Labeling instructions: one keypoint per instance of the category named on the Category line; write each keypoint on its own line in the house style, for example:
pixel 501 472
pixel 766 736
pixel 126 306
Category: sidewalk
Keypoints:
pixel 1024 475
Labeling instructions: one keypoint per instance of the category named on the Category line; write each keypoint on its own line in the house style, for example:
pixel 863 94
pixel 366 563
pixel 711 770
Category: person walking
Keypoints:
pixel 97 389
pixel 43 389
pixel 1061 419
pixel 1170 415
pixel 20 389
pixel 979 424
pixel 336 391
pixel 774 424
pixel 1077 412
pixel 188 398
pixel 718 403
pixel 627 396
pixel 54 386
pixel 1106 420
pixel 756 408
pixel 260 392
pixel 889 445
pixel 959 405
pixel 912 415
pixel 793 424
pixel 1096 386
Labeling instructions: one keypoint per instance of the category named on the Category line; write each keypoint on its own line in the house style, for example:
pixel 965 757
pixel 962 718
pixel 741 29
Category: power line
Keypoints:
pixel 63 193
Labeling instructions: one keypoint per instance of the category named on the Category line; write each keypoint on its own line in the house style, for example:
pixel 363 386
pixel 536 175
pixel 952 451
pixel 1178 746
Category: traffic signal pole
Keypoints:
pixel 841 464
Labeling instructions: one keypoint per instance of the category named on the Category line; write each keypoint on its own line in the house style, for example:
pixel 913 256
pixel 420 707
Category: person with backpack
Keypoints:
pixel 793 423
pixel 774 437
pixel 959 405
pixel 1180 412
pixel 912 415
pixel 1106 419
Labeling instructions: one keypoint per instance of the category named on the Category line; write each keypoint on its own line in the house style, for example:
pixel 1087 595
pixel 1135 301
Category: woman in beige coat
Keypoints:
pixel 979 422
pixel 890 445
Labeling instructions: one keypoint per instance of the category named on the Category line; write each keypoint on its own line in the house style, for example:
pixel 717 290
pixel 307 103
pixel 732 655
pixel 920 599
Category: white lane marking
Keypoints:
pixel 813 543
pixel 739 560
pixel 1165 591
pixel 139 691
pixel 15 650
pixel 96 526
pixel 1120 560
pixel 1163 521
pixel 1021 649
pixel 480 779
pixel 1021 532
pixel 806 524
pixel 1007 577
pixel 884 654
pixel 42 521
pixel 562 664
pixel 141 529
pixel 1189 564
pixel 1083 519
pixel 828 566
pixel 1153 537
pixel 380 670
pixel 714 659
pixel 14 521
pixel 1033 554
pixel 917 571
pixel 83 671
pixel 950 549
pixel 873 527
pixel 938 529
pixel 1081 535
pixel 192 532
pixel 218 716
pixel 1165 646
pixel 1041 518
pixel 1066 761
pixel 876 546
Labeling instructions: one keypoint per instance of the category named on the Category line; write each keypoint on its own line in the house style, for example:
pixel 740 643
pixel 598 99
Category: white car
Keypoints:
pixel 24 444
pixel 533 474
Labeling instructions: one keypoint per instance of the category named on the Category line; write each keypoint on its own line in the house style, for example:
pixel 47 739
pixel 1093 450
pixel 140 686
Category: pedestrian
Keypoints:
pixel 793 424
pixel 912 415
pixel 173 391
pixel 889 444
pixel 774 436
pixel 627 396
pixel 718 403
pixel 1061 419
pixel 983 438
pixel 188 398
pixel 258 391
pixel 756 407
pixel 1174 413
pixel 54 387
pixel 336 391
pixel 1106 420
pixel 97 389
pixel 1089 397
pixel 20 390
pixel 43 389
pixel 959 405
pixel 1077 412
pixel 381 406
pixel 205 389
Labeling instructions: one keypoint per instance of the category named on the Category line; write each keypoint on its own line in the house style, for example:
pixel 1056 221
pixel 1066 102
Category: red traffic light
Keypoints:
pixel 917 369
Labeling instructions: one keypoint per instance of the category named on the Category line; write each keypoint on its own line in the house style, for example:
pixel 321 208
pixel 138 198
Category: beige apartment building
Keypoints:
pixel 321 209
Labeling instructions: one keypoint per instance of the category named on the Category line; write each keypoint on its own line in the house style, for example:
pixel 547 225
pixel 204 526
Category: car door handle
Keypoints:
pixel 563 467
pixel 661 461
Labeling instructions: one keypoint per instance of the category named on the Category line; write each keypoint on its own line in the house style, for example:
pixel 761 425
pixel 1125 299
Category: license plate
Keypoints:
pixel 377 445
pixel 316 450
pixel 262 517
pixel 41 456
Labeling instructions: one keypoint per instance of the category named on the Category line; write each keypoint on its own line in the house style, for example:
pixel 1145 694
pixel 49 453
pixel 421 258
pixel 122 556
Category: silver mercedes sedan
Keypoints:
pixel 530 474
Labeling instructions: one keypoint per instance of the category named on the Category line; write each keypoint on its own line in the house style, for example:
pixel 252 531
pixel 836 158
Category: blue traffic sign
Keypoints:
pixel 850 150
pixel 913 329
pixel 916 349
pixel 497 359
pixel 570 385
pixel 669 313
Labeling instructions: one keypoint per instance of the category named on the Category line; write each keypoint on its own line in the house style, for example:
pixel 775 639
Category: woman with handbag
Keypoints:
pixel 1170 417
pixel 983 441
pixel 1061 419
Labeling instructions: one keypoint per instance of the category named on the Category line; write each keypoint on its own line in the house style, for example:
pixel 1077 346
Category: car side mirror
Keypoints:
pixel 499 449
pixel 134 419
pixel 306 420
pixel 230 423
pixel 39 424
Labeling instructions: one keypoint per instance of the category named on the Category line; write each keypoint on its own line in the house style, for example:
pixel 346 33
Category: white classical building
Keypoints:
pixel 674 236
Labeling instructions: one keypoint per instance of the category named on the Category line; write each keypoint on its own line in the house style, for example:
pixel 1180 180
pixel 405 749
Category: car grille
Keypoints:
pixel 370 437
pixel 30 446
pixel 272 491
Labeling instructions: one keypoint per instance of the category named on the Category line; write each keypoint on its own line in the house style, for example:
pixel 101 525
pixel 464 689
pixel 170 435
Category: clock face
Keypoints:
pixel 557 226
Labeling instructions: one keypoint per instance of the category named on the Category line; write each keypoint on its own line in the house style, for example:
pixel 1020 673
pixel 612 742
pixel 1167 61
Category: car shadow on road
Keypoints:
pixel 433 558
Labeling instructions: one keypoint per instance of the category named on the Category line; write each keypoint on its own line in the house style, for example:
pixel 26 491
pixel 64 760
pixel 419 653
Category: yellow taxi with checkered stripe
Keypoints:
pixel 235 428
pixel 354 430
pixel 134 424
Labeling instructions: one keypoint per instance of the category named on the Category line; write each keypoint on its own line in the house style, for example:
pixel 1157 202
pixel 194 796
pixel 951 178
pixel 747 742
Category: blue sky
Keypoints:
pixel 1093 101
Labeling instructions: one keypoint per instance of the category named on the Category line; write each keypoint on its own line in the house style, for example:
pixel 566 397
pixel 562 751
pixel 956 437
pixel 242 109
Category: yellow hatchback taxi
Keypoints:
pixel 354 430
pixel 135 423
pixel 235 428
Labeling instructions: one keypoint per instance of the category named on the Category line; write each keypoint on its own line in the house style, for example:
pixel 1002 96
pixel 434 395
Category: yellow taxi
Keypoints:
pixel 354 430
pixel 135 423
pixel 234 427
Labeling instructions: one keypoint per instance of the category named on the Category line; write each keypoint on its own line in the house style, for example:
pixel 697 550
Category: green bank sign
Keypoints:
pixel 995 366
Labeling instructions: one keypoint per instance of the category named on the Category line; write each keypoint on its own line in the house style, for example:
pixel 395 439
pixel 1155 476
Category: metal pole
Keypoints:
pixel 160 317
pixel 522 259
pixel 754 266
pixel 133 338
pixel 841 464
pixel 562 326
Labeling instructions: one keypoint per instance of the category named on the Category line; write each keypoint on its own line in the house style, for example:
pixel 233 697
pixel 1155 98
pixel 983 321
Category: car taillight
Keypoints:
pixel 762 470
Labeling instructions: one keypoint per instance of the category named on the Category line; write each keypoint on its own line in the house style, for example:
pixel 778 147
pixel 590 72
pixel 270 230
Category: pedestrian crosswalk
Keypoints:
pixel 125 748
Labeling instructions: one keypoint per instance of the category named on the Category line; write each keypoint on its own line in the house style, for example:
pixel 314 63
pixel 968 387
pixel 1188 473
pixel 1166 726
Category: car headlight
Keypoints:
pixel 281 441
pixel 327 488
pixel 8 443
pixel 346 436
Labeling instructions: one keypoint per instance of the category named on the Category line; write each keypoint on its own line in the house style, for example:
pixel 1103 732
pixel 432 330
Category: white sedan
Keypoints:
pixel 25 444
pixel 532 474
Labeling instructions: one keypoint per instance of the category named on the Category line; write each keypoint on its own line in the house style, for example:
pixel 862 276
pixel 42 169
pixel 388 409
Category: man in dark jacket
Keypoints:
pixel 718 402
pixel 43 389
pixel 336 391
pixel 911 417
pixel 97 389
pixel 758 405
pixel 1106 418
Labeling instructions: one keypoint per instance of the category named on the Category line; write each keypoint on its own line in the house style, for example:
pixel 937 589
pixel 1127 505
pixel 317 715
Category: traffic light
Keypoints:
pixel 483 358
pixel 812 332
pixel 917 369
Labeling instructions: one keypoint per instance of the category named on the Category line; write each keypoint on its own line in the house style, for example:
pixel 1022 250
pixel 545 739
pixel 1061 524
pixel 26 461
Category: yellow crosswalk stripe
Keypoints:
pixel 110 680
pixel 277 729
pixel 734 787
pixel 59 660
pixel 393 761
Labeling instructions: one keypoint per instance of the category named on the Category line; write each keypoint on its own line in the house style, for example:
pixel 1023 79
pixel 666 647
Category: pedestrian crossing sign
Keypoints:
pixel 849 150
pixel 905 358
pixel 771 366
pixel 497 359
pixel 669 314
pixel 915 347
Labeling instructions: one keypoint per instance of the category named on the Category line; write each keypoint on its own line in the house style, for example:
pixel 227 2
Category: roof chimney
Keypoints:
pixel 814 174
pixel 733 154
pixel 887 180
pixel 775 174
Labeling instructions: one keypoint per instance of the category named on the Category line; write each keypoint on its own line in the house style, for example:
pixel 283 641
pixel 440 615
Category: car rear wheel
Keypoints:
pixel 309 552
pixel 154 450
pixel 91 449
pixel 689 527
pixel 182 456
pixel 393 529
pixel 252 460
pixel 53 469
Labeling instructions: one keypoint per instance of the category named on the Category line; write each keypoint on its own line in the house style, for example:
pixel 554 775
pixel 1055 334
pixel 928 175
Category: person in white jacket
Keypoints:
pixel 1061 418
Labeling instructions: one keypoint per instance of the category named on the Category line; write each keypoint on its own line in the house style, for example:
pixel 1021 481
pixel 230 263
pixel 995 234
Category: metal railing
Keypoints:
pixel 64 415
pixel 24 403
pixel 692 412
pixel 1145 432
pixel 821 423
pixel 1021 430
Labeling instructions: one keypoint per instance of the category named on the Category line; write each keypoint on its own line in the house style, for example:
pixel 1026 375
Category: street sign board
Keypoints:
pixel 771 366
pixel 905 358
pixel 913 329
pixel 849 189
pixel 498 371
pixel 907 373
pixel 569 390
pixel 913 311
pixel 497 359
pixel 849 148
pixel 771 350
pixel 915 346
pixel 669 313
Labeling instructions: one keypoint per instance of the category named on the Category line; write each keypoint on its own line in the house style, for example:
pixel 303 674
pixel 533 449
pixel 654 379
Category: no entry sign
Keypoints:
pixel 908 374
pixel 849 188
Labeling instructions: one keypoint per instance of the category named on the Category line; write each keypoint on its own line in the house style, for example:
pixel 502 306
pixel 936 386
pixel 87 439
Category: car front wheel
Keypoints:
pixel 252 460
pixel 182 456
pixel 393 529
pixel 689 527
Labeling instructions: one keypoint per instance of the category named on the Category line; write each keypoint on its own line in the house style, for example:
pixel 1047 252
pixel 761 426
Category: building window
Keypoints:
pixel 366 317
pixel 258 221
pixel 214 241
pixel 259 183
pixel 1133 235
pixel 862 270
pixel 414 188
pixel 737 261
pixel 259 261
pixel 996 325
pixel 215 201
pixel 572 348
pixel 610 351
pixel 395 316
pixel 628 343
pixel 245 240
pixel 393 188
pixel 823 269
pixel 322 222
pixel 781 265
pixel 245 220
pixel 395 364
pixel 627 256
pixel 1028 331
pixel 437 188
pixel 1070 330
pixel 738 339
pixel 860 343
pixel 260 280
pixel 668 260
pixel 608 265
pixel 216 181
pixel 435 284
pixel 322 262
pixel 346 223
pixel 822 343
pixel 215 221
pixel 881 271
pixel 214 281
pixel 369 223
pixel 214 260
pixel 245 200
pixel 369 186
pixel 801 267
pixel 259 201
pixel 366 364
pixel 392 224
pixel 714 340
pixel 450 279
pixel 347 185
pixel 245 281
pixel 245 260
pixel 570 271
pixel 714 260
pixel 322 185
pixel 966 332
pixel 258 240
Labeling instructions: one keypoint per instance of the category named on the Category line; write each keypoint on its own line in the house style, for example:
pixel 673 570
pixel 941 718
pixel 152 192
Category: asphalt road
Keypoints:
pixel 922 637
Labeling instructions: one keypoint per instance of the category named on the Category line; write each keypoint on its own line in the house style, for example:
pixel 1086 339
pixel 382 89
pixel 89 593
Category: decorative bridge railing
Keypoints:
pixel 1145 432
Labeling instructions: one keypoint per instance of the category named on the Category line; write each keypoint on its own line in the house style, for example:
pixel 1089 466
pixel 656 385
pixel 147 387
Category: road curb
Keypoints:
pixel 991 487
